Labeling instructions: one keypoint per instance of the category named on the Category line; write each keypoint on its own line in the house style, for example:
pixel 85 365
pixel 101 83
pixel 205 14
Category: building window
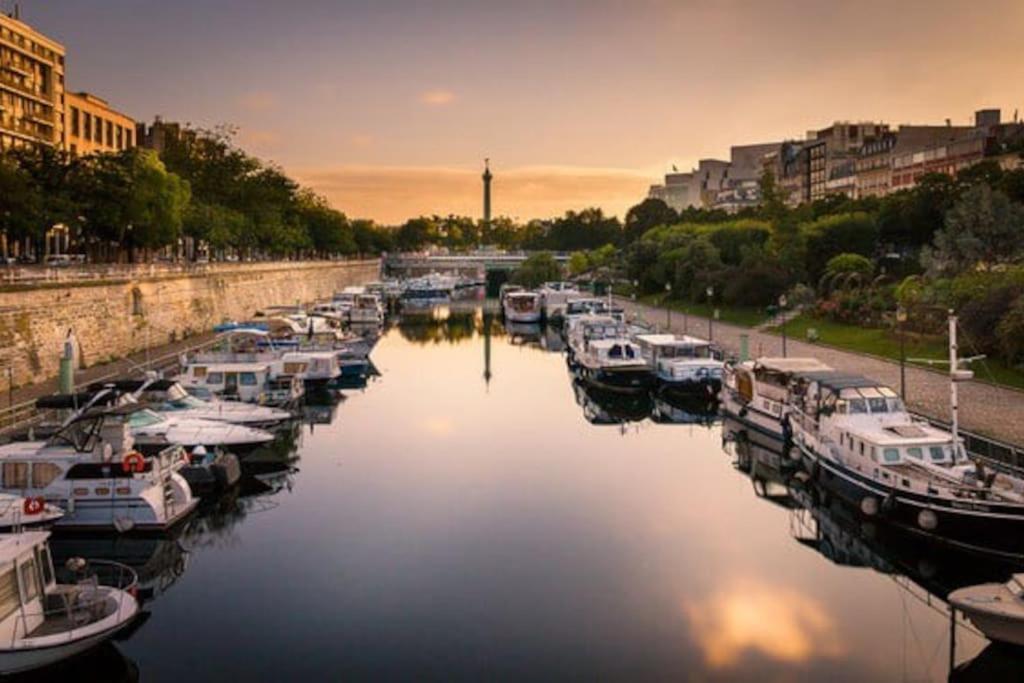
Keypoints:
pixel 128 137
pixel 87 125
pixel 120 137
pixel 99 130
pixel 76 129
pixel 110 134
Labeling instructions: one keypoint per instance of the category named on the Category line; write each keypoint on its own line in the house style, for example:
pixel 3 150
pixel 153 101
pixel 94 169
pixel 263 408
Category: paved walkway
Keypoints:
pixel 158 357
pixel 985 409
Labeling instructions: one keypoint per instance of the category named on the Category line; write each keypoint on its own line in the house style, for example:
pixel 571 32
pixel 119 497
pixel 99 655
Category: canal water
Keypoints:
pixel 472 513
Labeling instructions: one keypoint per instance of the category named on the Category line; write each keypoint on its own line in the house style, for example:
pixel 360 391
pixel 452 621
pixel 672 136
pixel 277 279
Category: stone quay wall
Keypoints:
pixel 148 308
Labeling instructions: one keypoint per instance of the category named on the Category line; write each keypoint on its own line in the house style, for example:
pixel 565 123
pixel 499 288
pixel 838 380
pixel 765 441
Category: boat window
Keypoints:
pixel 98 470
pixel 215 378
pixel 878 405
pixel 247 379
pixel 938 455
pixel 43 553
pixel 862 448
pixel 9 600
pixel 15 475
pixel 915 453
pixel 891 454
pixel 630 353
pixel 615 351
pixel 199 371
pixel 896 405
pixel 43 473
pixel 29 580
pixel 857 405
pixel 874 454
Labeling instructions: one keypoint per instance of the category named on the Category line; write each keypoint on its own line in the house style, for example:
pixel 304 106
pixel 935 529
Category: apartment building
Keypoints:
pixel 94 127
pixel 31 86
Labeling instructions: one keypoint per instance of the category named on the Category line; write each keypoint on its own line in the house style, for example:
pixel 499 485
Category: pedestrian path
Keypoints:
pixel 986 409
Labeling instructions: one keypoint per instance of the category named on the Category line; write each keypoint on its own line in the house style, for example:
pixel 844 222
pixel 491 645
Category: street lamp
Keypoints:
pixel 782 312
pixel 668 308
pixel 710 291
pixel 901 317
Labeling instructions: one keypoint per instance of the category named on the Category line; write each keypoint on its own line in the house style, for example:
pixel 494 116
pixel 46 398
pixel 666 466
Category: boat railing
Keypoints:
pixel 81 600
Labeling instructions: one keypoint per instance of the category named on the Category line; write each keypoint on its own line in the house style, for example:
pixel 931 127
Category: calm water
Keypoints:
pixel 437 525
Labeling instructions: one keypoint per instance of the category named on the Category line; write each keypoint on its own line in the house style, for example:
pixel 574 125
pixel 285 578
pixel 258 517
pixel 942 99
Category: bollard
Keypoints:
pixel 744 347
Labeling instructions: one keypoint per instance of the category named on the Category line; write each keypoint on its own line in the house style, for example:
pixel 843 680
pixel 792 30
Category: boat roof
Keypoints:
pixel 520 294
pixel 905 434
pixel 672 340
pixel 836 381
pixel 791 365
pixel 233 367
pixel 12 545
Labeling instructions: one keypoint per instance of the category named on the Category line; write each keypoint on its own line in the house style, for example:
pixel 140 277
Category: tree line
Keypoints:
pixel 130 205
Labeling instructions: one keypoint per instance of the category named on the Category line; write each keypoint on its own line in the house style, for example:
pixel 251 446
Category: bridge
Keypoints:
pixel 476 264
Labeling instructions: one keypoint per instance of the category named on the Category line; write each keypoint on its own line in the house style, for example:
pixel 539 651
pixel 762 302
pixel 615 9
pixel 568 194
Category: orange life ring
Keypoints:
pixel 33 506
pixel 133 462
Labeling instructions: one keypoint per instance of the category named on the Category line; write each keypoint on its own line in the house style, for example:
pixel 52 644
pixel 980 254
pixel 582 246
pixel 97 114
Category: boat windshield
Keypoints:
pixel 185 402
pixel 144 418
pixel 874 405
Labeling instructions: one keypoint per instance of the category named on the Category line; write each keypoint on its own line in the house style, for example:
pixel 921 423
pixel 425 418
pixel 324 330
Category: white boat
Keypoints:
pixel 20 512
pixel 315 368
pixel 997 609
pixel 168 396
pixel 592 327
pixel 366 310
pixel 432 290
pixel 91 470
pixel 47 622
pixel 683 363
pixel 755 392
pixel 859 438
pixel 152 432
pixel 332 310
pixel 522 307
pixel 615 364
pixel 255 380
pixel 555 296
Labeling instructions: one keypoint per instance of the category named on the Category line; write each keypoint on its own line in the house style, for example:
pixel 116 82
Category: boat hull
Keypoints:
pixel 982 526
pixel 631 379
pixel 751 418
pixel 29 659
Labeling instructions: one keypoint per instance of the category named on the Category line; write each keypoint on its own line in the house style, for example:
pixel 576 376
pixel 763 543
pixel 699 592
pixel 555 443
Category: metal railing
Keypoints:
pixel 86 598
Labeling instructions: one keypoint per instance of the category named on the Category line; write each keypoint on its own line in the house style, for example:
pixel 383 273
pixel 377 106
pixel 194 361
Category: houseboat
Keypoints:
pixel 555 296
pixel 252 381
pixel 366 310
pixel 683 364
pixel 46 621
pixel 615 364
pixel 754 392
pixel 522 307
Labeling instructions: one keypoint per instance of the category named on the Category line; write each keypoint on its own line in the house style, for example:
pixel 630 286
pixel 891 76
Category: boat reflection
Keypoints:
pixel 442 324
pixel 524 334
pixel 103 664
pixel 681 409
pixel 923 567
pixel 601 407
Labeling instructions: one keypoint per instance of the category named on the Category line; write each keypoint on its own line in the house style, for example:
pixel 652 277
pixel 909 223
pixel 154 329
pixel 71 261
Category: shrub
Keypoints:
pixel 852 233
pixel 1010 333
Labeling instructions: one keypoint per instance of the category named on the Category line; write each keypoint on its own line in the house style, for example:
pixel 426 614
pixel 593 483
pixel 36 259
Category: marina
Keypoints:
pixel 685 540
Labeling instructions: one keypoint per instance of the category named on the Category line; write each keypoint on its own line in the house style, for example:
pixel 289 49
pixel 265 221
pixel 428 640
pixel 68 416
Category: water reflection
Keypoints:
pixel 437 525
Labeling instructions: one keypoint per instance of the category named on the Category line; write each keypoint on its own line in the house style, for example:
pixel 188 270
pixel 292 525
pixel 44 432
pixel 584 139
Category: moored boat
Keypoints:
pixel 683 364
pixel 522 307
pixel 754 392
pixel 46 621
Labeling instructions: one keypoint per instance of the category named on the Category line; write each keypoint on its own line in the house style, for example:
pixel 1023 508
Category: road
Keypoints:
pixel 984 408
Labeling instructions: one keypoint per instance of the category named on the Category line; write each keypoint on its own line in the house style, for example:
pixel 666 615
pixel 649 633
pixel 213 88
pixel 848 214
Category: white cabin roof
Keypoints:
pixel 671 340
pixel 791 364
pixel 232 367
pixel 12 545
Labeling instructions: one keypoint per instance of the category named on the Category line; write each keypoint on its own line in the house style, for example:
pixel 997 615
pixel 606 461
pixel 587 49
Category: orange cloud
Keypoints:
pixel 259 138
pixel 391 194
pixel 437 98
pixel 749 615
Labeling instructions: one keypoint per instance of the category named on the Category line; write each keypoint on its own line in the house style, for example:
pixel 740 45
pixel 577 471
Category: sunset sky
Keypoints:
pixel 388 108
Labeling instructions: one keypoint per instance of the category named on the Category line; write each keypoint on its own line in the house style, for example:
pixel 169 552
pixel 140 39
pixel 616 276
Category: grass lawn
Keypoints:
pixel 886 343
pixel 747 316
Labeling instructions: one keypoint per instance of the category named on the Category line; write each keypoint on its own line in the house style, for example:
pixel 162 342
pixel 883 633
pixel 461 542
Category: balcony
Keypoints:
pixel 11 84
pixel 41 117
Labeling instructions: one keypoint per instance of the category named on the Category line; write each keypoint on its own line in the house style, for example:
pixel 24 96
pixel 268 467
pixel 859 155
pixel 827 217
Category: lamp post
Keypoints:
pixel 782 312
pixel 901 317
pixel 710 291
pixel 636 284
pixel 668 308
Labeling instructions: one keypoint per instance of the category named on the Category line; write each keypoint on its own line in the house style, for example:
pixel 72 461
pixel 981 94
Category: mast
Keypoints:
pixel 954 368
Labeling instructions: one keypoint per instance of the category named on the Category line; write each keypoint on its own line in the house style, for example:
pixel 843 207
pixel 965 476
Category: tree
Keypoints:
pixel 19 202
pixel 536 270
pixel 156 201
pixel 982 230
pixel 415 234
pixel 853 233
pixel 647 214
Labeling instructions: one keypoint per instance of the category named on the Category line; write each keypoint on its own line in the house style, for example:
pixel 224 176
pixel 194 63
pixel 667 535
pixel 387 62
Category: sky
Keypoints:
pixel 388 108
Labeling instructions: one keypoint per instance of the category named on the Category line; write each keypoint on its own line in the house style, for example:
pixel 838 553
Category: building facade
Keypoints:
pixel 93 127
pixel 31 87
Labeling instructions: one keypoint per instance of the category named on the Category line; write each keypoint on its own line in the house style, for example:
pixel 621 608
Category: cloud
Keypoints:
pixel 257 101
pixel 437 98
pixel 391 194
pixel 774 621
